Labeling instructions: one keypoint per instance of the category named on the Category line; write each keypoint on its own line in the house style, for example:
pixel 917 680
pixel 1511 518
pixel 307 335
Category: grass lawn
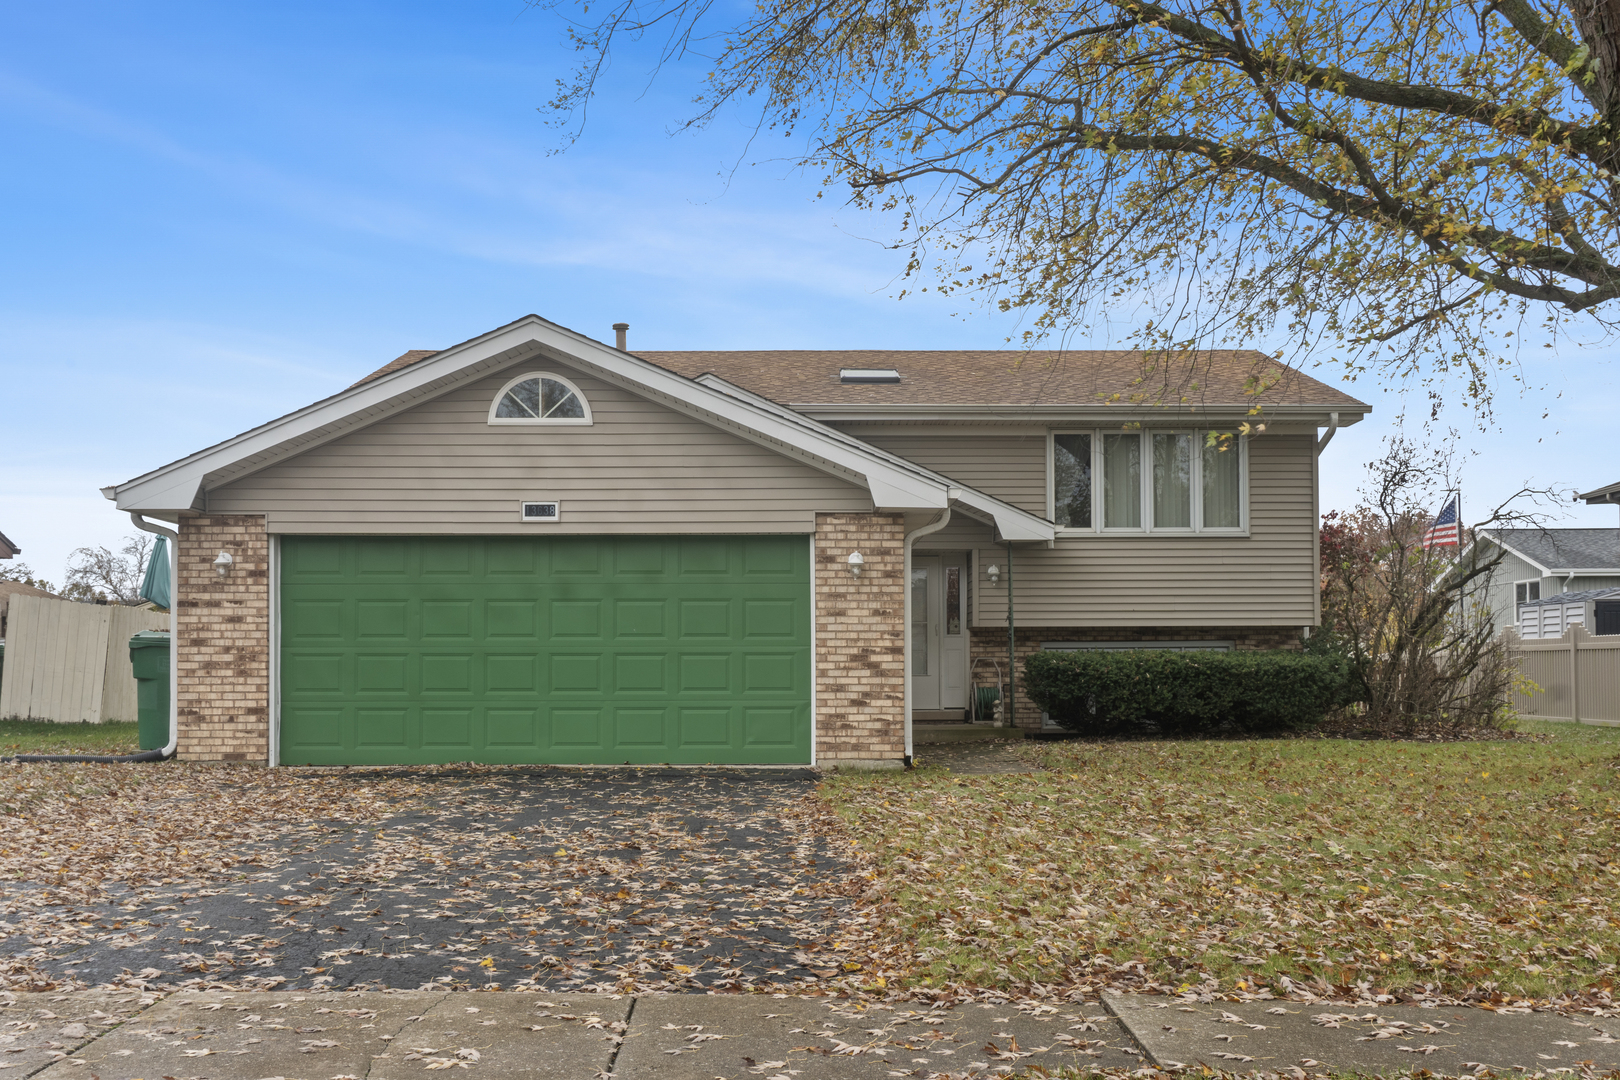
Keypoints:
pixel 1483 867
pixel 44 737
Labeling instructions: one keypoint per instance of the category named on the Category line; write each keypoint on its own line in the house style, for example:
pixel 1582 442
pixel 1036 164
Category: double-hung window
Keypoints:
pixel 1161 481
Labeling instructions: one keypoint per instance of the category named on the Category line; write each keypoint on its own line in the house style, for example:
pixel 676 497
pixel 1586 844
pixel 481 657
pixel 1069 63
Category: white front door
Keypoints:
pixel 939 632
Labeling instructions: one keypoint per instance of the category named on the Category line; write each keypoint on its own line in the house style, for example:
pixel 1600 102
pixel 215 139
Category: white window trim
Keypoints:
pixel 1146 495
pixel 1528 598
pixel 534 421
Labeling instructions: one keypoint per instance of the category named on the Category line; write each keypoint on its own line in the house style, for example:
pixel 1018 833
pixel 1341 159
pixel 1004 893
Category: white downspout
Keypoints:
pixel 174 626
pixel 932 527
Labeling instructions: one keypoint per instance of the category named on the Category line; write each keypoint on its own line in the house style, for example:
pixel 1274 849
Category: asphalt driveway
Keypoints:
pixel 550 879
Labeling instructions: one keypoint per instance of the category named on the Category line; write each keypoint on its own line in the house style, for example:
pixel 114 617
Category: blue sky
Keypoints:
pixel 215 213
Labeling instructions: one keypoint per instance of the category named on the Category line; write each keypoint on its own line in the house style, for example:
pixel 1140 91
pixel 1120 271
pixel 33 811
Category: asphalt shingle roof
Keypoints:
pixel 1564 549
pixel 998 377
pixel 1574 597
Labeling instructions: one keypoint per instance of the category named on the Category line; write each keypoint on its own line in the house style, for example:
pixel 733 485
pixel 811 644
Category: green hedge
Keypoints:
pixel 1137 691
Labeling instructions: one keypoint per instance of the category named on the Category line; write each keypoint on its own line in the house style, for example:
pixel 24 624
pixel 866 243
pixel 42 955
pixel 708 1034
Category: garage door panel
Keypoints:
pixel 511 674
pixel 447 727
pixel 513 727
pixel 511 619
pixel 574 728
pixel 705 619
pixel 565 649
pixel 447 673
pixel 447 620
pixel 705 728
pixel 380 727
pixel 381 620
pixel 311 727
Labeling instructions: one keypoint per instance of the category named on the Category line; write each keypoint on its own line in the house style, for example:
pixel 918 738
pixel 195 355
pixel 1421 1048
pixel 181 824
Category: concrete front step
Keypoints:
pixel 927 734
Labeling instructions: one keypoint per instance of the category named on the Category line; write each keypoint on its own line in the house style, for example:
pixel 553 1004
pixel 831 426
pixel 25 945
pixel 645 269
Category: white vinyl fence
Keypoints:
pixel 70 662
pixel 1578 675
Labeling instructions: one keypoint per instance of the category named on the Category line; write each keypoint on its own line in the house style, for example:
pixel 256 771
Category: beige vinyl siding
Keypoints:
pixel 442 468
pixel 1011 468
pixel 1268 578
pixel 961 533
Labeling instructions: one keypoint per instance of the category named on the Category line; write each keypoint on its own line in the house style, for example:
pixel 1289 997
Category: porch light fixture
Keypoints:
pixel 993 572
pixel 856 563
pixel 222 563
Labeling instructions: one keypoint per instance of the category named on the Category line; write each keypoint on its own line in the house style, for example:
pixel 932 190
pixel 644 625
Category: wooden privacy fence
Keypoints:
pixel 70 662
pixel 1578 675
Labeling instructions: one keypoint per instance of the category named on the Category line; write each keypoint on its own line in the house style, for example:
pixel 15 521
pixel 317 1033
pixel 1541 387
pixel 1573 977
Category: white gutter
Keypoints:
pixel 932 527
pixel 174 627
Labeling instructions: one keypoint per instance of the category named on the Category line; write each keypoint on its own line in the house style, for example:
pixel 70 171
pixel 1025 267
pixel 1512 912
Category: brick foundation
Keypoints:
pixel 860 640
pixel 991 642
pixel 224 654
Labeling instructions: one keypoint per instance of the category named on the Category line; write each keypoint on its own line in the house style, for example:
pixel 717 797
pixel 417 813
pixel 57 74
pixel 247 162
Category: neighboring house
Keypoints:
pixel 1603 496
pixel 534 547
pixel 8 550
pixel 1541 564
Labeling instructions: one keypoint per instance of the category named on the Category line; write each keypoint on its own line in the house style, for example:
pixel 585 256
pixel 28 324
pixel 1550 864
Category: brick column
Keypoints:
pixel 860 641
pixel 224 654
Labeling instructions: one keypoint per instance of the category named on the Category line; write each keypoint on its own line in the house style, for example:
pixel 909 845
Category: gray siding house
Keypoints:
pixel 1539 564
pixel 537 547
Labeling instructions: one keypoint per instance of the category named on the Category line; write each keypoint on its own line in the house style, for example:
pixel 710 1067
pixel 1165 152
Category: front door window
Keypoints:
pixel 919 620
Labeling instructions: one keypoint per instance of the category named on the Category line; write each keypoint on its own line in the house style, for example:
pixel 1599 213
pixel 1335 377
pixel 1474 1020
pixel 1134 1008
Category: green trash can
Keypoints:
pixel 149 656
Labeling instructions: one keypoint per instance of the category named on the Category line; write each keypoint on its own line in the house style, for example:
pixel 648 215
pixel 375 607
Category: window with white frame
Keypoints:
pixel 539 397
pixel 1526 591
pixel 1148 481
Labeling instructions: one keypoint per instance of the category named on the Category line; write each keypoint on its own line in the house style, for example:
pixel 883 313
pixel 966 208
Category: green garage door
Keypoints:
pixel 598 649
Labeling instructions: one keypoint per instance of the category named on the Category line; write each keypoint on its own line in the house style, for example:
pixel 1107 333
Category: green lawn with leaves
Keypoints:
pixel 1488 867
pixel 44 737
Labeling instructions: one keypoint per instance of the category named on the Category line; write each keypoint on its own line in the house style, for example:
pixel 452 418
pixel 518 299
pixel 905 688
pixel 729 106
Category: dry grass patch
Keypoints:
pixel 1460 869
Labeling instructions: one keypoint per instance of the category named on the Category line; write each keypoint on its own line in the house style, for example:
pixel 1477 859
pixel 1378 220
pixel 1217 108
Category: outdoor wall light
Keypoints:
pixel 856 563
pixel 993 572
pixel 222 564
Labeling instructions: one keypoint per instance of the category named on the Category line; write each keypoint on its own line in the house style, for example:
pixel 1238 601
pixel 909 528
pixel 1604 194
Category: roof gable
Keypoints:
pixel 893 482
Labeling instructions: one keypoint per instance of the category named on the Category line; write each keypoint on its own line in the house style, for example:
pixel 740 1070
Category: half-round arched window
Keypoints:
pixel 540 398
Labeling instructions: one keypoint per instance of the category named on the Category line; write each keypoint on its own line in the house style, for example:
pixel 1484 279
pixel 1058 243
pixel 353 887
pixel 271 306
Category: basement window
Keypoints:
pixel 540 397
pixel 868 375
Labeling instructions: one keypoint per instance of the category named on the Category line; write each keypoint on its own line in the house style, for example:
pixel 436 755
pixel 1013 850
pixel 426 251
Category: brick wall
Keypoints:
pixel 860 640
pixel 224 654
pixel 991 642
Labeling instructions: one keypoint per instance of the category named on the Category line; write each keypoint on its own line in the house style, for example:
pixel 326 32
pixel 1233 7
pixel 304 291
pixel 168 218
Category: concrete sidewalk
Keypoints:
pixel 1278 1035
pixel 103 1035
pixel 384 1036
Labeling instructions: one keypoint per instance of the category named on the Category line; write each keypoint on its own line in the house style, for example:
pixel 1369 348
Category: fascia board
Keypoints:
pixel 1319 415
pixel 1585 571
pixel 1018 525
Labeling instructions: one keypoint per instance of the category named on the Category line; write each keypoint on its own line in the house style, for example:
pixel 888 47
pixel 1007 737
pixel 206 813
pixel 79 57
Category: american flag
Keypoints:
pixel 1443 532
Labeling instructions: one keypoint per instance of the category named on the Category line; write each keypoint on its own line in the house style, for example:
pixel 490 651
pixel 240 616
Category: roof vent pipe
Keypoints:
pixel 620 331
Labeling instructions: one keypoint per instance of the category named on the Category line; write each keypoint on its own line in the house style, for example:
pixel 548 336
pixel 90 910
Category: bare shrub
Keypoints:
pixel 1423 649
